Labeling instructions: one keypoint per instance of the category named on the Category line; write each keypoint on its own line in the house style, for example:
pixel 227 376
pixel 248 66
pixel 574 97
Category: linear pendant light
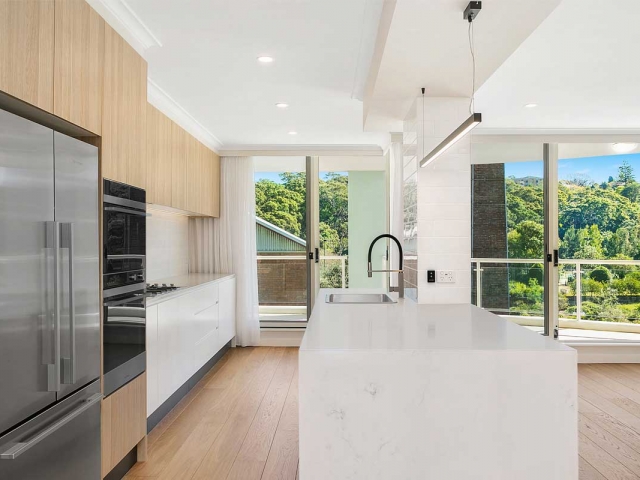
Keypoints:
pixel 468 125
pixel 470 13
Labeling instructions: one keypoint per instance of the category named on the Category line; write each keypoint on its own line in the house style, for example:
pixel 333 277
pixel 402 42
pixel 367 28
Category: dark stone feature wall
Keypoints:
pixel 489 234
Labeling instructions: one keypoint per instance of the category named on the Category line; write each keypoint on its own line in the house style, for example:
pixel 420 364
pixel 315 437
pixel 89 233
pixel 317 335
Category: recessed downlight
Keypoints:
pixel 293 132
pixel 531 105
pixel 624 147
pixel 265 59
pixel 282 105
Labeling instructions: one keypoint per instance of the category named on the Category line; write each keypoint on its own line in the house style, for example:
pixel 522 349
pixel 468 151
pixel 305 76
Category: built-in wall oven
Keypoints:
pixel 124 281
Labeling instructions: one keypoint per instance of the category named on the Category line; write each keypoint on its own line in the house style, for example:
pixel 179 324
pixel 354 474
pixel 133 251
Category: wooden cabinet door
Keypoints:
pixel 78 64
pixel 178 167
pixel 194 174
pixel 124 421
pixel 124 112
pixel 159 146
pixel 206 187
pixel 215 185
pixel 27 51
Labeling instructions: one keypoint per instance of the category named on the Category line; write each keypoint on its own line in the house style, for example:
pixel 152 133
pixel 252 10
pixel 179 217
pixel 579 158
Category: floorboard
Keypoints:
pixel 241 422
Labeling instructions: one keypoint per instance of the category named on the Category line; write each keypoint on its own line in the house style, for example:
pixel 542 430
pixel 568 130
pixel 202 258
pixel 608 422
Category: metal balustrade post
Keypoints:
pixel 578 291
pixel 342 264
pixel 478 284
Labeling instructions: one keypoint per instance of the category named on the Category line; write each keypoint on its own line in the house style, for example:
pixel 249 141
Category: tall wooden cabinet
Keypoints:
pixel 159 145
pixel 179 152
pixel 124 113
pixel 78 67
pixel 27 51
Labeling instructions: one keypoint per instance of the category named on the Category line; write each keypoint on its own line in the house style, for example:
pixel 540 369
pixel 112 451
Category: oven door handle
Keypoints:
pixel 126 210
pixel 115 303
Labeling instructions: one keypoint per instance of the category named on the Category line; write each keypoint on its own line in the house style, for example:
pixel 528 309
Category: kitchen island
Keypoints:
pixel 408 391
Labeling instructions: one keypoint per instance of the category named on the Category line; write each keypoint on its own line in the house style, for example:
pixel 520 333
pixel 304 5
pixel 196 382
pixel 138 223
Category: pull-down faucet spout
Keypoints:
pixel 400 287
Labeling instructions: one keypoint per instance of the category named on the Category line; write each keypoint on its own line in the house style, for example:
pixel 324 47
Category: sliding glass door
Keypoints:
pixel 507 219
pixel 555 236
pixel 599 233
pixel 315 220
pixel 281 240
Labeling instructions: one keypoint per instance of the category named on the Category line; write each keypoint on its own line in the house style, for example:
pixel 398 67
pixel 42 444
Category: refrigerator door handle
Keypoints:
pixel 17 449
pixel 53 369
pixel 69 364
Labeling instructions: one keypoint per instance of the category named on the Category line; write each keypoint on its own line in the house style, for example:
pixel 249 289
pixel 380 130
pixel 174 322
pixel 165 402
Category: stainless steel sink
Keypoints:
pixel 355 298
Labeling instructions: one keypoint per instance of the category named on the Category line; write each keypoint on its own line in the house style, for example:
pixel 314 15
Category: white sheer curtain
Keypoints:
pixel 228 244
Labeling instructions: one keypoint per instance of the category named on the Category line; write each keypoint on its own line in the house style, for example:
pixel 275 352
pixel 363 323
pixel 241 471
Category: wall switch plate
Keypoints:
pixel 431 276
pixel 446 276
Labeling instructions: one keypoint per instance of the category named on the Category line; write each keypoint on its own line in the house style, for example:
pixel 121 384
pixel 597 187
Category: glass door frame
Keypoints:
pixel 551 239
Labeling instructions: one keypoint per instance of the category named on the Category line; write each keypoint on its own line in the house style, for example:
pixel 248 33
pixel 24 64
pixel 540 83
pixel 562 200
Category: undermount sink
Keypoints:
pixel 355 298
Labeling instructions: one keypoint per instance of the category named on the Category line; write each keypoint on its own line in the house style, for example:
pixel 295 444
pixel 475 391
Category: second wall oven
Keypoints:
pixel 124 280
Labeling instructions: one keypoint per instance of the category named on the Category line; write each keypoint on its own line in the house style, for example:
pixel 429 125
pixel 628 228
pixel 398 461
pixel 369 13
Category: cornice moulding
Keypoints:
pixel 160 99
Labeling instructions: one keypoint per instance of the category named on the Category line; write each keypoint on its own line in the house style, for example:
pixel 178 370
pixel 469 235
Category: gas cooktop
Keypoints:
pixel 156 289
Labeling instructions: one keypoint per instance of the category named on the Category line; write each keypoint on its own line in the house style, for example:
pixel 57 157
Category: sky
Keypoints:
pixel 274 176
pixel 597 169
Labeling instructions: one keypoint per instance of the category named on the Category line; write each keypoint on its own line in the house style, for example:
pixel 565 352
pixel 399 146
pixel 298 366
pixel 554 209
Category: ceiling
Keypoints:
pixel 427 46
pixel 207 64
pixel 580 66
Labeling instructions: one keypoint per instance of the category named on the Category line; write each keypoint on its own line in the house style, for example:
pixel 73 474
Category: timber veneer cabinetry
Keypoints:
pixel 78 64
pixel 159 180
pixel 182 172
pixel 27 51
pixel 124 421
pixel 62 57
pixel 124 114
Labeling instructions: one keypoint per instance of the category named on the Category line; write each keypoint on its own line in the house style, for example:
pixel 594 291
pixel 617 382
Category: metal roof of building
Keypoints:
pixel 271 238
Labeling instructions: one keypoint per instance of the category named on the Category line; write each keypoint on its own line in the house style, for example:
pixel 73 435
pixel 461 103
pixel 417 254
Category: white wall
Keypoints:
pixel 443 202
pixel 167 244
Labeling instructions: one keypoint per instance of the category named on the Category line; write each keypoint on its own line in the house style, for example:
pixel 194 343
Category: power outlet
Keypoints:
pixel 446 276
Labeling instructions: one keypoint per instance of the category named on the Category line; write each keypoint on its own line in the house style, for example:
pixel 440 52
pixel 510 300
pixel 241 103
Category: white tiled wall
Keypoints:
pixel 167 244
pixel 443 202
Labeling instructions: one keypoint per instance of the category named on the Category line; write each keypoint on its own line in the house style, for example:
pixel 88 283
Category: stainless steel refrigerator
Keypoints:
pixel 49 304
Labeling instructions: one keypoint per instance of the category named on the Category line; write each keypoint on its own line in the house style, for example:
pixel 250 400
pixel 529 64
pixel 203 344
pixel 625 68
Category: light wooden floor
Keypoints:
pixel 241 422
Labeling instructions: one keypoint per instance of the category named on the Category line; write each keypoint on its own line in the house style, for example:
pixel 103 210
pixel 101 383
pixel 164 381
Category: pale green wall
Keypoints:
pixel 367 220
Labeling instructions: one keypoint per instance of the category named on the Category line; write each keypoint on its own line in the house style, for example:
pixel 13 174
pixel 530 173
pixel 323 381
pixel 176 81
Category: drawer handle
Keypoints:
pixel 19 448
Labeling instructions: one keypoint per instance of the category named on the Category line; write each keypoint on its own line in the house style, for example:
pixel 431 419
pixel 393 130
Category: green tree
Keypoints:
pixel 631 191
pixel 277 204
pixel 625 173
pixel 526 240
pixel 334 208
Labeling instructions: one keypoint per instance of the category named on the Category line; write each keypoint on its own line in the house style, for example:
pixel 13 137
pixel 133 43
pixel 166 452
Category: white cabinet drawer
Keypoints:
pixel 153 398
pixel 183 334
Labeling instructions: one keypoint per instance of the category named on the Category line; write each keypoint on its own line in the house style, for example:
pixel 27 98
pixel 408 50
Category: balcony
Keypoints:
pixel 282 284
pixel 597 295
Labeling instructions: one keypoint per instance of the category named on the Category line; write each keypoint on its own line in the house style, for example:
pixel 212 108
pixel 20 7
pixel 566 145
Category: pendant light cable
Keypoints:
pixel 423 89
pixel 472 100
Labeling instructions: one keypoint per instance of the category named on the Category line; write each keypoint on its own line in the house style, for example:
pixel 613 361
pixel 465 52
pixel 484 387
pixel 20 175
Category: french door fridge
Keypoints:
pixel 49 304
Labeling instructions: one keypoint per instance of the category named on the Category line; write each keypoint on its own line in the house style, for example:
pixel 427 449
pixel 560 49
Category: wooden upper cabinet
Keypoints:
pixel 124 112
pixel 26 51
pixel 194 175
pixel 78 64
pixel 158 157
pixel 215 184
pixel 178 167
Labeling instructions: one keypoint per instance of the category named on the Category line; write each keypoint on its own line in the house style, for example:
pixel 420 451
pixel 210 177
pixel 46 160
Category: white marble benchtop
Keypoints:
pixel 408 326
pixel 186 283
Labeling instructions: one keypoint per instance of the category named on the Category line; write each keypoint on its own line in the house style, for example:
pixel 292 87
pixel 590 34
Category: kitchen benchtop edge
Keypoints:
pixel 187 283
